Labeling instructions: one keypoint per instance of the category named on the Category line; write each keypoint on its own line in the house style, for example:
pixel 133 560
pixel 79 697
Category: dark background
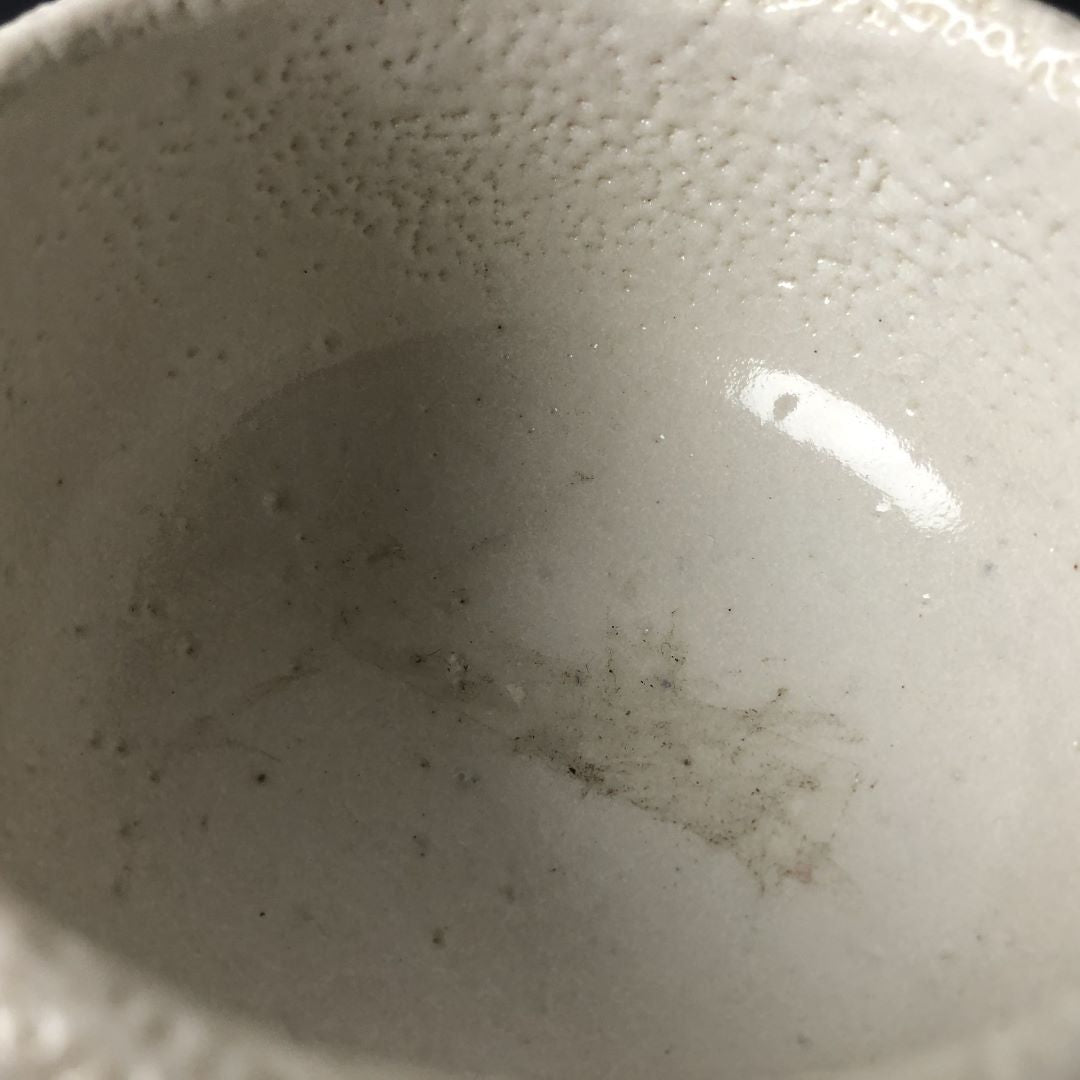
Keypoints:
pixel 10 8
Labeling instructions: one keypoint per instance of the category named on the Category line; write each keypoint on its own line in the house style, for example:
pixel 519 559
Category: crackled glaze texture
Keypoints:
pixel 539 539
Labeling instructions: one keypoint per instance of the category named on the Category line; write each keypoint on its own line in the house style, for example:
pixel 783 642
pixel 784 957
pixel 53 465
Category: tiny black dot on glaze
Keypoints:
pixel 261 778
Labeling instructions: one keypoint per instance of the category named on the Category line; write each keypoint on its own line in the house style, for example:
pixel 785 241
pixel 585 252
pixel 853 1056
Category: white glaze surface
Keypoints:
pixel 542 540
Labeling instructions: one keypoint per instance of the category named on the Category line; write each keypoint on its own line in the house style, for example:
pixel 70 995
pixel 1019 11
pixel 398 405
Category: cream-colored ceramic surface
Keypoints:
pixel 539 539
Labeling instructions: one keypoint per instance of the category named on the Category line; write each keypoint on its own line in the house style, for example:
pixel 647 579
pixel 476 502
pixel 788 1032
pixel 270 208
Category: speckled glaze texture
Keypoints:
pixel 539 539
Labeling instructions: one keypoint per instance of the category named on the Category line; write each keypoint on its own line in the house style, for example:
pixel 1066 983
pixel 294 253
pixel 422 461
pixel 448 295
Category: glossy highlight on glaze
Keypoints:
pixel 842 430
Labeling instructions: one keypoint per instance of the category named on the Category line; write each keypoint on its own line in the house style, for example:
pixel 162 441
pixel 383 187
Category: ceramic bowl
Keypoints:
pixel 539 539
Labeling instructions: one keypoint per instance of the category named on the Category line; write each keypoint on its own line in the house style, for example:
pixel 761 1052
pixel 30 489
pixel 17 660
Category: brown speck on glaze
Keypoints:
pixel 121 883
pixel 802 872
pixel 389 551
pixel 126 829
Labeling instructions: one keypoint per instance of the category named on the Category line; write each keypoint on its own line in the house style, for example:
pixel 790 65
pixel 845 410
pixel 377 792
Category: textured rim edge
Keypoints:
pixel 62 1000
pixel 1035 43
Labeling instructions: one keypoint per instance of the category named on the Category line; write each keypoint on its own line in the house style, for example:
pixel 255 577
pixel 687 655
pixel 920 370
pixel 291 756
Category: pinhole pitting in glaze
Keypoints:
pixel 428 635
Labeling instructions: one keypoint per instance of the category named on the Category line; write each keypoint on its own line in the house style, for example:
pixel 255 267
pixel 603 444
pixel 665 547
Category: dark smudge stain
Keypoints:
pixel 768 782
pixel 412 528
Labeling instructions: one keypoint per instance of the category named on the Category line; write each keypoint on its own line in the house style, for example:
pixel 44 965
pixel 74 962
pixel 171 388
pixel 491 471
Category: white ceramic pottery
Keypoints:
pixel 539 539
